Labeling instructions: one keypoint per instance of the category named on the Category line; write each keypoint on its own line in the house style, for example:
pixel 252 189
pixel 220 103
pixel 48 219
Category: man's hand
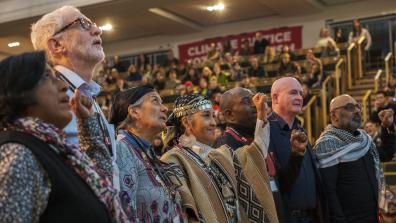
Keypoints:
pixel 299 141
pixel 81 105
pixel 260 101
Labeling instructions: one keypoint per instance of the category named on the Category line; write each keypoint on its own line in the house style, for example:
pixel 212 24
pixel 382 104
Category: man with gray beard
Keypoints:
pixel 349 165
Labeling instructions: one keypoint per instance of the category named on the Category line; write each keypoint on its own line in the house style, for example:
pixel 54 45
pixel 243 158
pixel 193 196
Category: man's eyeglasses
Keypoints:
pixel 350 107
pixel 84 23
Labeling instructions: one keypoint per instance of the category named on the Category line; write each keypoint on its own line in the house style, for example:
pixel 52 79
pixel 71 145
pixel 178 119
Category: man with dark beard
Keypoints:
pixel 349 165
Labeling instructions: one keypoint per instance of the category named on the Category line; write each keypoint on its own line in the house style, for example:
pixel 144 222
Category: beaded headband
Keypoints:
pixel 192 108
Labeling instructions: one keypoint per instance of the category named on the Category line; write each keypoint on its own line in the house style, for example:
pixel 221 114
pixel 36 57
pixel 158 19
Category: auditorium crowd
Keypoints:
pixel 87 139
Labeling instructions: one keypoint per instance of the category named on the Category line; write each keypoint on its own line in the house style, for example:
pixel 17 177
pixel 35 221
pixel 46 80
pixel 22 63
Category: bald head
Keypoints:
pixel 286 95
pixel 282 84
pixel 341 101
pixel 230 97
pixel 237 107
pixel 345 113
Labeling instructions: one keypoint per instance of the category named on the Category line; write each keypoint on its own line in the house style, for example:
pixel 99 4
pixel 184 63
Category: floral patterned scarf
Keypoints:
pixel 78 160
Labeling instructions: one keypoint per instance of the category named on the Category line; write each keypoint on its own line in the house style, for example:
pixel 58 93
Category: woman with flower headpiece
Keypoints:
pixel 148 186
pixel 214 176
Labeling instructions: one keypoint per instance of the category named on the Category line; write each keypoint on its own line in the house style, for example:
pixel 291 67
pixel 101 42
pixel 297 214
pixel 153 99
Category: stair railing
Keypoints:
pixel 378 80
pixel 388 66
pixel 359 55
pixel 349 59
pixel 366 104
pixel 338 76
pixel 308 117
pixel 326 93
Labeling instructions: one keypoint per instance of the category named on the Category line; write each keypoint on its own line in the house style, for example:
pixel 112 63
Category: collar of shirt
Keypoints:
pixel 91 89
pixel 282 123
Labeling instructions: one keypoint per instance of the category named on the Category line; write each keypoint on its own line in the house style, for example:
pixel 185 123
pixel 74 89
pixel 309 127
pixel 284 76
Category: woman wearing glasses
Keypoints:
pixel 211 185
pixel 43 178
pixel 148 186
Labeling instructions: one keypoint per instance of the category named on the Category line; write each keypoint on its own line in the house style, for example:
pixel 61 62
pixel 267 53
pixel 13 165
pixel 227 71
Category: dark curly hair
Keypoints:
pixel 19 76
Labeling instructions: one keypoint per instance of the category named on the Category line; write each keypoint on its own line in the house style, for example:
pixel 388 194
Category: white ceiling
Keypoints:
pixel 132 19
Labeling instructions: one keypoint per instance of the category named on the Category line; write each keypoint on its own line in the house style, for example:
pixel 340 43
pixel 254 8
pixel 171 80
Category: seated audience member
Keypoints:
pixel 44 178
pixel 206 73
pixel 170 59
pixel 203 87
pixel 172 82
pixel 210 172
pixel 270 54
pixel 148 72
pixel 191 76
pixel 383 100
pixel 387 138
pixel 287 67
pixel 255 69
pixel 349 165
pixel 147 185
pixel 260 44
pixel 222 77
pixel 246 83
pixel 245 48
pixel 213 53
pixel 159 82
pixel 372 130
pixel 133 74
pixel 117 64
pixel 213 87
pixel 236 72
pixel 313 70
pixel 286 49
pixel 226 47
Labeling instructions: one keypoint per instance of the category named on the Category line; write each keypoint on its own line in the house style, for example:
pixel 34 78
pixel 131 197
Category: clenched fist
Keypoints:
pixel 260 101
pixel 299 141
pixel 81 105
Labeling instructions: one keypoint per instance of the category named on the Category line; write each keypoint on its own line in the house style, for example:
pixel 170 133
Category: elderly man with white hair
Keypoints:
pixel 73 47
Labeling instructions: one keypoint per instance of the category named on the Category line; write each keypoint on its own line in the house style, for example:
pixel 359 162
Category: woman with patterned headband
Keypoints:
pixel 211 185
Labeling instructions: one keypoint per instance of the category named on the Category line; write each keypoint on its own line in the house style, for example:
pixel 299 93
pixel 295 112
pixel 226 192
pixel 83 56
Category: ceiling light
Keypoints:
pixel 218 7
pixel 14 44
pixel 106 27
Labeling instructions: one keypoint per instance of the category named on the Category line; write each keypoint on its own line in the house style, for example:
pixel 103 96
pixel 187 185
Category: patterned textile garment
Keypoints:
pixel 143 191
pixel 25 187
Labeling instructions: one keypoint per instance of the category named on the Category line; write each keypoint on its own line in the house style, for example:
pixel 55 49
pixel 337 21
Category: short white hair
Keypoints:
pixel 45 28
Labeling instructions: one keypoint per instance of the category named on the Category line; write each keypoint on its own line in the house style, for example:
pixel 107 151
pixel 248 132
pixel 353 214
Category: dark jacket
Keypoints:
pixel 288 172
pixel 71 199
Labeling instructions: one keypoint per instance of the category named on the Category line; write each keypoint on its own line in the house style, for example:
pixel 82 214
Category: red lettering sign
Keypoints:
pixel 291 36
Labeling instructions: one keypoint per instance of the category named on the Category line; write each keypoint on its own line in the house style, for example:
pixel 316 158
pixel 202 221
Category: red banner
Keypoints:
pixel 197 51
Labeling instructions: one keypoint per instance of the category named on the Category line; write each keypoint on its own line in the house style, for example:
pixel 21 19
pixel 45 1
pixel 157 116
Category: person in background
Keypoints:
pixel 222 77
pixel 244 49
pixel 213 53
pixel 256 70
pixel 172 82
pixel 357 32
pixel 133 74
pixel 287 67
pixel 313 70
pixel 338 37
pixel 387 137
pixel 260 44
pixel 118 65
pixel 270 55
pixel 383 100
pixel 349 165
pixel 325 40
